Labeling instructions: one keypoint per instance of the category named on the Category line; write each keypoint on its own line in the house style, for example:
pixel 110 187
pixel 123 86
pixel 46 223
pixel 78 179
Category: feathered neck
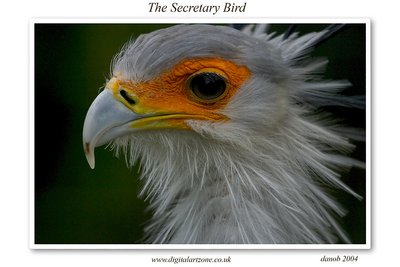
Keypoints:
pixel 266 189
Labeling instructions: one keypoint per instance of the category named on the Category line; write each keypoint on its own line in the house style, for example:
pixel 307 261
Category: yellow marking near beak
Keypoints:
pixel 113 85
pixel 165 121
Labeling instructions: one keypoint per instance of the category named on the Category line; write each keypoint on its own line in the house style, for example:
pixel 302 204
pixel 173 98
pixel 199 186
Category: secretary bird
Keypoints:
pixel 225 125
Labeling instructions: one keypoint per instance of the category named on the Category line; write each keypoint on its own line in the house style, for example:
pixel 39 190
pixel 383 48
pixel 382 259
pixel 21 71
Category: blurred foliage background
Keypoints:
pixel 77 205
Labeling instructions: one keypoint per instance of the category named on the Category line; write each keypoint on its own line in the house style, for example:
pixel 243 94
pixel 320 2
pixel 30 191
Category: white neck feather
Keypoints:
pixel 266 189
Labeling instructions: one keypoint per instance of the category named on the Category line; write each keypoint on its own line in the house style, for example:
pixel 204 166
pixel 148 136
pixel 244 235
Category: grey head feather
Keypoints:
pixel 151 54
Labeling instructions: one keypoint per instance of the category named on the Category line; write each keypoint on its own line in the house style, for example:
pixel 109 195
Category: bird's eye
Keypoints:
pixel 207 86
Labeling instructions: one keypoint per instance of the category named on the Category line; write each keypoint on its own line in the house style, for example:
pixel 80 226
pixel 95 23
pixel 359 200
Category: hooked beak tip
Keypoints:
pixel 89 153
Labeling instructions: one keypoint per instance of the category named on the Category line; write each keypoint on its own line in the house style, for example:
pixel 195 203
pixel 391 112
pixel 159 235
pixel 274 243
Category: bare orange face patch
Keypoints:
pixel 170 92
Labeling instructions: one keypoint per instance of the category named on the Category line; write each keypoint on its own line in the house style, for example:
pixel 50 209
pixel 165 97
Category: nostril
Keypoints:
pixel 128 99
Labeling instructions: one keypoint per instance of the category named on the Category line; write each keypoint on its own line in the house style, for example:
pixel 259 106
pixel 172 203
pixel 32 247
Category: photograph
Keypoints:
pixel 155 135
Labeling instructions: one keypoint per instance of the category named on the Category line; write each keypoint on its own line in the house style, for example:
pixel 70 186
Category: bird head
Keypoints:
pixel 211 81
pixel 223 118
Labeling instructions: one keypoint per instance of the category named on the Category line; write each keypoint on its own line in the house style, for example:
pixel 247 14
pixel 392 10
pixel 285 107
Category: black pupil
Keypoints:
pixel 208 85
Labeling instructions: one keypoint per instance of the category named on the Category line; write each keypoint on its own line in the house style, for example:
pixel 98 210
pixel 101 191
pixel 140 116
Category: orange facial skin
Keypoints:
pixel 169 93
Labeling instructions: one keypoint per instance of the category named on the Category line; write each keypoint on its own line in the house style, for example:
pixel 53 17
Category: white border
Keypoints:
pixel 31 122
pixel 199 20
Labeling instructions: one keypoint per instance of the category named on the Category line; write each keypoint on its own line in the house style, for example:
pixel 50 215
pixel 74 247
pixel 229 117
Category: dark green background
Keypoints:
pixel 77 205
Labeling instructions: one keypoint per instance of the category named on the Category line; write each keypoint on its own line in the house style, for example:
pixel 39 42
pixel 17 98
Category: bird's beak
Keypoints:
pixel 106 119
pixel 117 112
